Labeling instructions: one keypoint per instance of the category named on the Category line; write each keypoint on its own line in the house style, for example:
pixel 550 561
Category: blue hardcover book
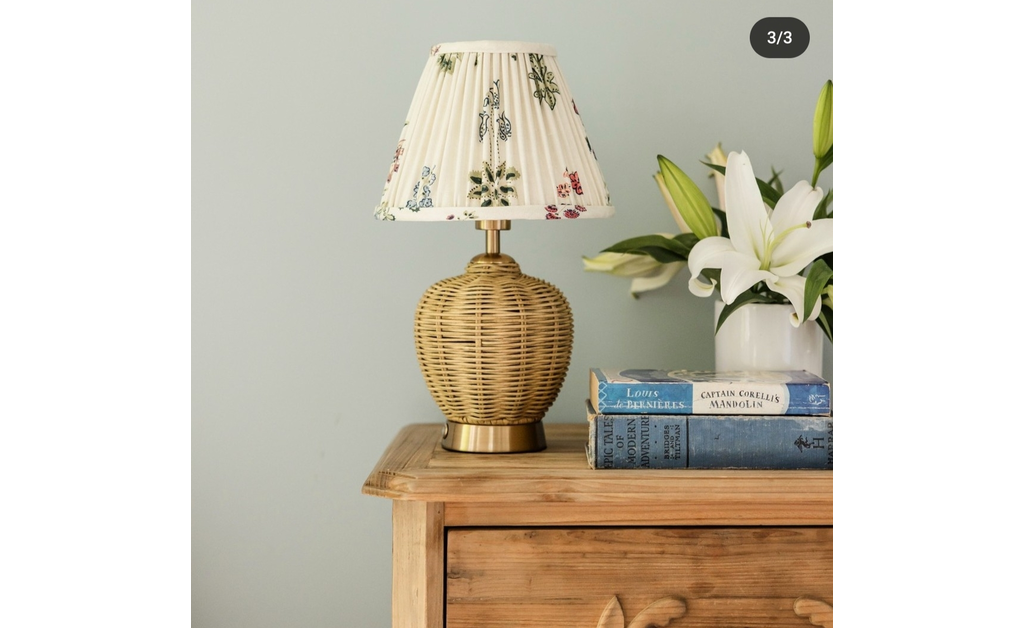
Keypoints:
pixel 651 391
pixel 646 441
pixel 636 441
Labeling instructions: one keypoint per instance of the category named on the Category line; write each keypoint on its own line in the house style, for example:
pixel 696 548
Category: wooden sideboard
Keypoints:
pixel 539 539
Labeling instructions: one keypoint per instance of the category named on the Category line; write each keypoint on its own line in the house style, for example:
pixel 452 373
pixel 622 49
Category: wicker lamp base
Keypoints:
pixel 494 346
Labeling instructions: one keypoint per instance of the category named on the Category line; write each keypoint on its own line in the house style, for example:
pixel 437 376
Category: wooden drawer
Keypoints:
pixel 555 577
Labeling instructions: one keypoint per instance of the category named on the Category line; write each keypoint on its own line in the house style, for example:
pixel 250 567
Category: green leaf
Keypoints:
pixel 725 222
pixel 824 321
pixel 715 167
pixel 662 249
pixel 817 277
pixel 822 209
pixel 660 254
pixel 655 240
pixel 693 206
pixel 713 275
pixel 688 239
pixel 776 181
pixel 768 193
pixel 744 298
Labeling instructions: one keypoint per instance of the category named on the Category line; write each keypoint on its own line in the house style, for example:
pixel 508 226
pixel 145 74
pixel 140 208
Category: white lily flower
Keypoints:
pixel 767 245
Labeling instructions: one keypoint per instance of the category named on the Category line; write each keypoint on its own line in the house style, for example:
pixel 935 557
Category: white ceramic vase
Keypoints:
pixel 760 336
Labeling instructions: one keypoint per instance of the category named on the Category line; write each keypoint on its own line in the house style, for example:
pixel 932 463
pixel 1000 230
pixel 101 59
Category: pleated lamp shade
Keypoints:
pixel 493 133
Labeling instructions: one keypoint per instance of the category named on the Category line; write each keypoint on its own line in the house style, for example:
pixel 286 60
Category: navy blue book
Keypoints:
pixel 653 441
pixel 651 391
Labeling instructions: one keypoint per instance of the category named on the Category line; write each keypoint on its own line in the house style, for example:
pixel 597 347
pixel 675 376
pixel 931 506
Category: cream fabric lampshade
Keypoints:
pixel 493 133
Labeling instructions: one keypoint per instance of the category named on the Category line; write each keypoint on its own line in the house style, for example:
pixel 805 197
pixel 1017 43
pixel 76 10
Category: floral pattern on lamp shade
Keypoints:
pixel 493 111
pixel 546 86
pixel 493 186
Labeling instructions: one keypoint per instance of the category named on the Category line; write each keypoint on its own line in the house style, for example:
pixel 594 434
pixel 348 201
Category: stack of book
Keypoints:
pixel 654 419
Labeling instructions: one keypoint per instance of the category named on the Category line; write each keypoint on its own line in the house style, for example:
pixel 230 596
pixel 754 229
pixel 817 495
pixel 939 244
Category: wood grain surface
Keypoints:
pixel 565 577
pixel 417 589
pixel 556 486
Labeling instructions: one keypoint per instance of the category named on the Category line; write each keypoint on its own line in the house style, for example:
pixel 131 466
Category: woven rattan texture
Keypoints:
pixel 493 344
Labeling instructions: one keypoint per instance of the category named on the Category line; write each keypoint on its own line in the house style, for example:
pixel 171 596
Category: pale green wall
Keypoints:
pixel 303 363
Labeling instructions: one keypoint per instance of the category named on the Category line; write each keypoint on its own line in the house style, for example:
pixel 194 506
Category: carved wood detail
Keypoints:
pixel 818 612
pixel 659 614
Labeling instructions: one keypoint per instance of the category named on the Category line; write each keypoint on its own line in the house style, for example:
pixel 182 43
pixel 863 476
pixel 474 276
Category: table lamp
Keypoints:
pixel 493 135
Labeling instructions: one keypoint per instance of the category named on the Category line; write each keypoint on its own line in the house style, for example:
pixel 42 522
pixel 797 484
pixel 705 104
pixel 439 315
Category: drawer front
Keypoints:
pixel 608 577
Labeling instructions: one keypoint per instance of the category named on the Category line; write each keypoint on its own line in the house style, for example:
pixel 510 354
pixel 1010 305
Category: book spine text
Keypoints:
pixel 640 442
pixel 751 398
pixel 710 442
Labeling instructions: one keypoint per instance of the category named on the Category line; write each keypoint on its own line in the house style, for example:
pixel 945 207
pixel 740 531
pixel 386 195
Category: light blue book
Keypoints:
pixel 652 391
pixel 645 441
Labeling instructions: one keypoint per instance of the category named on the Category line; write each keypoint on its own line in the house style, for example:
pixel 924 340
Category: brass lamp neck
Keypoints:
pixel 493 230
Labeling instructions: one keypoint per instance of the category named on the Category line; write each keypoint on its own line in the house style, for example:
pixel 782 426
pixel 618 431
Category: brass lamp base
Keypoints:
pixel 490 439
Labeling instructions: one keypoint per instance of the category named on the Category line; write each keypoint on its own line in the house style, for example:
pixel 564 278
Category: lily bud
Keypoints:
pixel 683 227
pixel 718 158
pixel 823 122
pixel 690 202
